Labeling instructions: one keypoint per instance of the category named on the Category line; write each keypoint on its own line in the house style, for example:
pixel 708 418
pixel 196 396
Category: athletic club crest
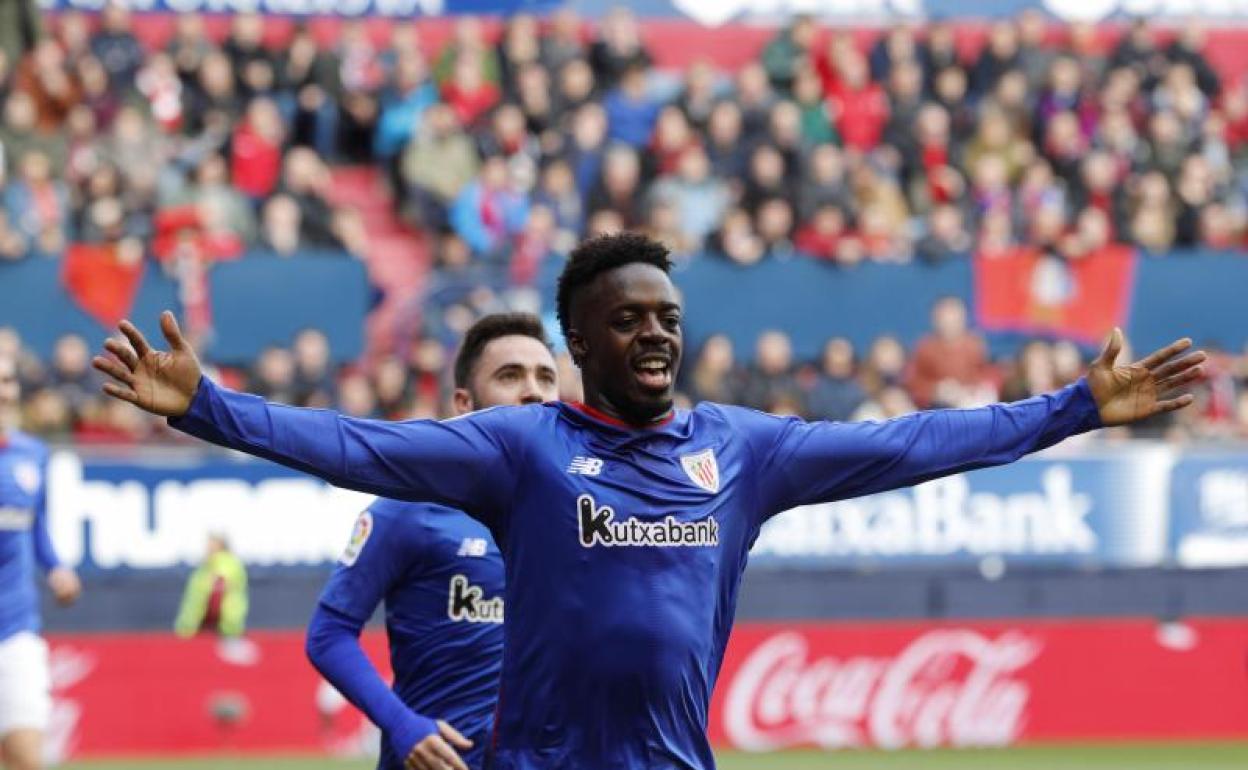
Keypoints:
pixel 702 469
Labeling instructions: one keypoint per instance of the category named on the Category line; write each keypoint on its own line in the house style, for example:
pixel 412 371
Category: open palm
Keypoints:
pixel 161 382
pixel 1125 394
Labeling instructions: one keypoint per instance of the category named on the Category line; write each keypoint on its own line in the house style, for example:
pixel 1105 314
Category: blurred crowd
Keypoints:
pixel 948 367
pixel 509 148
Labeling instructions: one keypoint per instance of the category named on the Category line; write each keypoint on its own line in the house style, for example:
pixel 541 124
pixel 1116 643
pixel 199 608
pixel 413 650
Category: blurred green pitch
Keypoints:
pixel 1169 756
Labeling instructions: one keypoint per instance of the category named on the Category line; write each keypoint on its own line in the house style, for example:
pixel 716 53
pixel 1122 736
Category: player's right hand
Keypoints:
pixel 435 752
pixel 161 382
pixel 65 585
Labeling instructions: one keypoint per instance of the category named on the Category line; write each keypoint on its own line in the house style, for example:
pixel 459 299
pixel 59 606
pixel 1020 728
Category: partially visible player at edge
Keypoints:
pixel 625 524
pixel 25 686
pixel 441 578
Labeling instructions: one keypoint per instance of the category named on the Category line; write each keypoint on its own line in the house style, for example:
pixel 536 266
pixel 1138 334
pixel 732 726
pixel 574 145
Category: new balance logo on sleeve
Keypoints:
pixel 598 527
pixel 468 603
pixel 473 546
pixel 585 466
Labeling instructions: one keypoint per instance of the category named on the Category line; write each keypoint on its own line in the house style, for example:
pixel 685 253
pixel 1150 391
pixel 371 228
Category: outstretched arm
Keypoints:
pixel 459 462
pixel 819 462
pixel 334 650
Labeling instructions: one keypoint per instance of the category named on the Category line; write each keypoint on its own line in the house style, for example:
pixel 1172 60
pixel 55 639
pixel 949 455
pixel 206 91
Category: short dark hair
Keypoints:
pixel 486 330
pixel 598 255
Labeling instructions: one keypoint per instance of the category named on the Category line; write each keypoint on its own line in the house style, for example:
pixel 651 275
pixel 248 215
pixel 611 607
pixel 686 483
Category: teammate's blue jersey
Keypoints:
pixel 624 548
pixel 441 578
pixel 24 541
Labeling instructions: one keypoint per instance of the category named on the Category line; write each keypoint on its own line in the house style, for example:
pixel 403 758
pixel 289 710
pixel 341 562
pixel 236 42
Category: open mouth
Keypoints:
pixel 653 371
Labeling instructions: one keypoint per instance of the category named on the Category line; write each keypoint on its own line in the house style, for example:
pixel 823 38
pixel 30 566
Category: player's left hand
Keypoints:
pixel 436 753
pixel 65 585
pixel 1131 392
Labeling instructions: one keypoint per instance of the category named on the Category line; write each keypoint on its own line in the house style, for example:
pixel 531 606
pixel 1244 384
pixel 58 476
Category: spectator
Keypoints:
pixel 699 95
pixel 488 212
pixel 816 121
pixel 772 375
pixel 631 112
pixel 767 178
pixel 714 375
pixel 311 92
pixel 115 45
pixel 305 179
pixel 314 374
pixel 860 107
pixel 836 393
pixel 37 205
pixel 563 42
pixel 1035 57
pixel 699 198
pixel 50 83
pixel 950 366
pixel 436 166
pixel 755 98
pixel 257 150
pixel 468 92
pixel 19 134
pixel 618 48
pixel 282 226
pixel 403 106
pixel 586 147
pixel 823 232
pixel 215 599
pixel 619 188
pixel 788 51
pixel 946 237
pixel 577 88
pixel 999 56
pixel 725 145
pixel 557 192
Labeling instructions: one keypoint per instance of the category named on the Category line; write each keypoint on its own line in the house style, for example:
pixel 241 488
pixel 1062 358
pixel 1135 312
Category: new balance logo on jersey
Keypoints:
pixel 598 527
pixel 468 603
pixel 585 466
pixel 473 546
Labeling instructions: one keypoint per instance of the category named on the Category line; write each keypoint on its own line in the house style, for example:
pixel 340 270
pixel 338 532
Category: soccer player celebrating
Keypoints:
pixel 25 687
pixel 441 577
pixel 625 523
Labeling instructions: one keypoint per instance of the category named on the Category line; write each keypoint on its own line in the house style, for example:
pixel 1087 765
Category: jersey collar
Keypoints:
pixel 599 416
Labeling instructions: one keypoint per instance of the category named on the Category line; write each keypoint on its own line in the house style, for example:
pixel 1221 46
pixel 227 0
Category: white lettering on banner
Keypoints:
pixel 713 13
pixel 939 518
pixel 1224 498
pixel 949 687
pixel 277 521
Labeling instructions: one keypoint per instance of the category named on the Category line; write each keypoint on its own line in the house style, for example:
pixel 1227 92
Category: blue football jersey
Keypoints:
pixel 24 541
pixel 440 577
pixel 624 547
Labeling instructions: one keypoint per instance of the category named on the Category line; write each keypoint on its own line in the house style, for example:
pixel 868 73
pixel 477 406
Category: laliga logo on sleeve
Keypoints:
pixel 27 476
pixel 359 536
pixel 702 469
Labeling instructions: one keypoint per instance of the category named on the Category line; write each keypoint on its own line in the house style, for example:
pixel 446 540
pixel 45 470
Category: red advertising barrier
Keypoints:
pixel 129 694
pixel 981 684
pixel 833 685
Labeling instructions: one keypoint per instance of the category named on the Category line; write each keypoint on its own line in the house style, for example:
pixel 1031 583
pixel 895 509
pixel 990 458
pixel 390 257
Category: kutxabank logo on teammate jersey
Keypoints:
pixel 598 526
pixel 468 603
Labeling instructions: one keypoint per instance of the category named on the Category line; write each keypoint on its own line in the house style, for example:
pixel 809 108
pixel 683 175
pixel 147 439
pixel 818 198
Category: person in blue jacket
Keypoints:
pixel 440 576
pixel 625 523
pixel 25 550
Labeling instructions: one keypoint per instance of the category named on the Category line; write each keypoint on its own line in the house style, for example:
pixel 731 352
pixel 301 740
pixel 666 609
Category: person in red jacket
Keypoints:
pixel 860 107
pixel 256 162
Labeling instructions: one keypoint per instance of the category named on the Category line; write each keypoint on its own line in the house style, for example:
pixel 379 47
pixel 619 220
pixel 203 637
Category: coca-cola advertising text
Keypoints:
pixel 895 685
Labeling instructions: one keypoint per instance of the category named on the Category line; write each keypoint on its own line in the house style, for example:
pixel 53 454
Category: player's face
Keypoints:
pixel 629 343
pixel 512 371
